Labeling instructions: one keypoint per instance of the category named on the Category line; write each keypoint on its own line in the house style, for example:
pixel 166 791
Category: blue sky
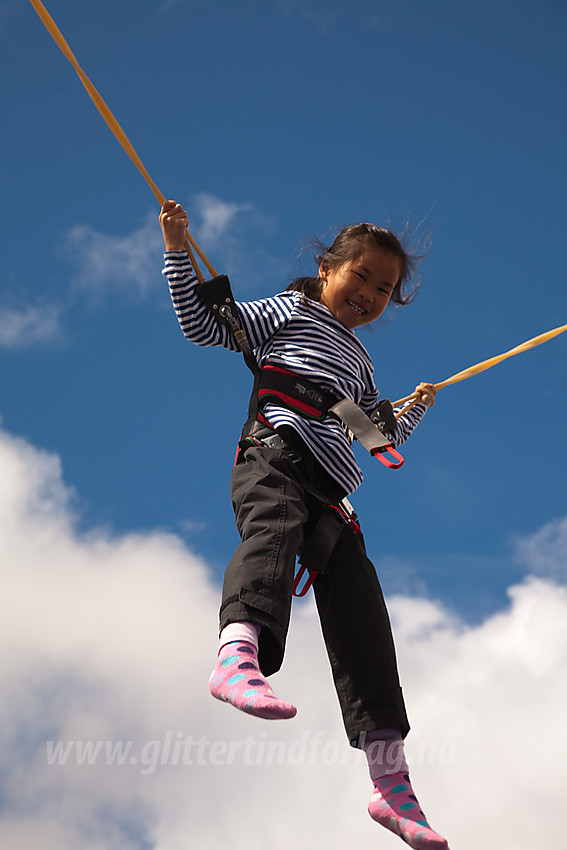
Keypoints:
pixel 274 122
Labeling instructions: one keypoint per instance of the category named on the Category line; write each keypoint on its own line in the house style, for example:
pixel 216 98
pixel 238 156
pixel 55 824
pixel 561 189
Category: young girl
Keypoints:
pixel 291 474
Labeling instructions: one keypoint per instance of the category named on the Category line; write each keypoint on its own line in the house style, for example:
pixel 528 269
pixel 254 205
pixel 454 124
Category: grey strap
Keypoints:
pixel 356 420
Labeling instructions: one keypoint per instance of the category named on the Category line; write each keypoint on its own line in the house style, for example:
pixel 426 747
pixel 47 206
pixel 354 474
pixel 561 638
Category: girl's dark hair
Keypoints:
pixel 348 246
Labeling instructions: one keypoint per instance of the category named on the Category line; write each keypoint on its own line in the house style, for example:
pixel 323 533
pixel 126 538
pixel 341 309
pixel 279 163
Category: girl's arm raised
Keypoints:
pixel 195 320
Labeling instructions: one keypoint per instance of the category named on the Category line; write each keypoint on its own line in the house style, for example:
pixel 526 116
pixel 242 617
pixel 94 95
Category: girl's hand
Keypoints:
pixel 173 221
pixel 426 394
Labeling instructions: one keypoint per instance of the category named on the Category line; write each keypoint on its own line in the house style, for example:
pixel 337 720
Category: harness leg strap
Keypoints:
pixel 318 548
pixel 312 575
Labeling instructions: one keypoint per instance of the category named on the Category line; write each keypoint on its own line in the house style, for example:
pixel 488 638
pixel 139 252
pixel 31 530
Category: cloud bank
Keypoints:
pixel 107 644
pixel 106 263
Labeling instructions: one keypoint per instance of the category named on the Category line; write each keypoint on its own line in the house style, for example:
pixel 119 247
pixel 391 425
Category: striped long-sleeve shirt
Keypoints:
pixel 294 332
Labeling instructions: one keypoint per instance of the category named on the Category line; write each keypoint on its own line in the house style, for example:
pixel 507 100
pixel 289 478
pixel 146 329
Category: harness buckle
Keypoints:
pixel 347 513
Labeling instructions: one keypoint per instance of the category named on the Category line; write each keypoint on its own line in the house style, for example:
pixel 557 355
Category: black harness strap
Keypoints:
pixel 216 294
pixel 285 388
pixel 295 391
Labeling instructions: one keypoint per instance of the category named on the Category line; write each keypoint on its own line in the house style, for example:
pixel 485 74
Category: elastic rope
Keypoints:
pixel 115 128
pixel 481 367
pixel 120 135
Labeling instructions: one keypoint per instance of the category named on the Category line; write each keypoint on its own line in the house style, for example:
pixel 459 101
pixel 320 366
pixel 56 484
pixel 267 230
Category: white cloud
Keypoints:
pixel 102 263
pixel 112 639
pixel 544 552
pixel 216 216
pixel 231 234
pixel 22 327
pixel 105 262
pixel 235 236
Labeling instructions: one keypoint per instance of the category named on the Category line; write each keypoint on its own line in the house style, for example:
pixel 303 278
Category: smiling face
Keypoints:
pixel 359 291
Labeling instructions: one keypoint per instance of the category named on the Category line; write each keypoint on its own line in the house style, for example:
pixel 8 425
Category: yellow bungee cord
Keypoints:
pixel 116 129
pixel 190 243
pixel 481 367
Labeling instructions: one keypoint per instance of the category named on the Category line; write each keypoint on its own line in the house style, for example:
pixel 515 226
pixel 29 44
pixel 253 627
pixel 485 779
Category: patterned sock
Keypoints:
pixel 242 631
pixel 395 806
pixel 237 679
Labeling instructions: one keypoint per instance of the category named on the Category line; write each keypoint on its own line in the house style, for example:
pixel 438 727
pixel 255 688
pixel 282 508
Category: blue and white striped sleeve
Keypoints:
pixel 195 320
pixel 406 423
pixel 260 319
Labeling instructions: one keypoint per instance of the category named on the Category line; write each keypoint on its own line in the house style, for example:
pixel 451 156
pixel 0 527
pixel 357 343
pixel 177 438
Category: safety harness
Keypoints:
pixel 295 392
pixel 273 384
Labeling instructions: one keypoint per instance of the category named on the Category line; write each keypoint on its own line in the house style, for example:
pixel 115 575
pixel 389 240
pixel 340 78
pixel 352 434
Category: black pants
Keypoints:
pixel 275 511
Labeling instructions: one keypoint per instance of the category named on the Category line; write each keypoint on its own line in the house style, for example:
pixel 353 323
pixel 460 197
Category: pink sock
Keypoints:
pixel 237 679
pixel 249 632
pixel 393 803
pixel 395 806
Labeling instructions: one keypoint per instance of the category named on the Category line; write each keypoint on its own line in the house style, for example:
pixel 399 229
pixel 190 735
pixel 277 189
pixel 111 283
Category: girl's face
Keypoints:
pixel 359 291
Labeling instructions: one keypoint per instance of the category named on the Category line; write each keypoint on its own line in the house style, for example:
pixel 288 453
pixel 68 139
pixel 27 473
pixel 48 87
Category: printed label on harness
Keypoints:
pixel 312 394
